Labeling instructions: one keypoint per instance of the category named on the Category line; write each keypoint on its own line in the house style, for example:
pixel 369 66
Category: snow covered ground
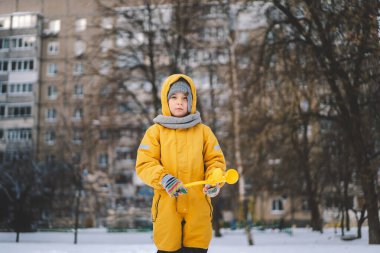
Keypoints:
pixel 99 241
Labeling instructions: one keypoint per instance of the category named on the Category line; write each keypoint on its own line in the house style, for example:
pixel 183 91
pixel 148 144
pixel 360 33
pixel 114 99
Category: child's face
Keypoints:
pixel 178 104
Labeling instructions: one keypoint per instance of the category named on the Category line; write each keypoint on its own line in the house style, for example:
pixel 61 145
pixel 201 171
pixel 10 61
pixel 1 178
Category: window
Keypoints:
pixel 106 45
pixel 103 134
pixel 123 108
pixel 9 156
pixel 3 88
pixel 53 48
pixel 52 69
pixel 5 22
pixel 2 111
pixel 52 92
pixel 79 47
pixel 50 137
pixel 213 33
pixel 29 42
pixel 4 43
pixel 302 129
pixel 121 39
pixel 16 42
pixel 78 69
pixel 22 65
pixel 24 21
pixel 80 25
pixel 19 111
pixel 78 114
pixel 19 135
pixel 305 205
pixel 3 65
pixel 103 160
pixel 277 205
pixel 105 91
pixel 107 23
pixel 23 42
pixel 124 154
pixel 20 88
pixel 105 67
pixel 76 138
pixel 51 114
pixel 54 26
pixel 78 91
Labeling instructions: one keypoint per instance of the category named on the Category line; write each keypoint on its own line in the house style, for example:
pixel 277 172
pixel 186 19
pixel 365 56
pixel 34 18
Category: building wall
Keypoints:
pixel 271 208
pixel 19 97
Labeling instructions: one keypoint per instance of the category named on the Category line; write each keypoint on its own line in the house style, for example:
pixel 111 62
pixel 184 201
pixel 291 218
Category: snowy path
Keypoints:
pixel 98 241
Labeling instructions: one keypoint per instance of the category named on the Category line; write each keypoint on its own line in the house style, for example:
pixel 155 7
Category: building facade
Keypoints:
pixel 20 64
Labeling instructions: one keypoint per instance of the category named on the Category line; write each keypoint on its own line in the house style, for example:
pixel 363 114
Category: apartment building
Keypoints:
pixel 20 40
pixel 50 85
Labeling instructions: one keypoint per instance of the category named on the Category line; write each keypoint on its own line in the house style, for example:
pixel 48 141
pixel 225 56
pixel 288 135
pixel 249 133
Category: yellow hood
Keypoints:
pixel 165 90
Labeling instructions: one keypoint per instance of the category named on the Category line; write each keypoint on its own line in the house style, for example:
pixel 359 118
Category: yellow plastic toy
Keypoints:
pixel 230 177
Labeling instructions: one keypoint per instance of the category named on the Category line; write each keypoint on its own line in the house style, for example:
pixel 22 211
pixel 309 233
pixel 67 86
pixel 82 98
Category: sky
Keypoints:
pixel 99 241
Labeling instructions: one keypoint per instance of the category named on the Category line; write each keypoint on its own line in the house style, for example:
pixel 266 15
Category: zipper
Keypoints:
pixel 156 207
pixel 209 204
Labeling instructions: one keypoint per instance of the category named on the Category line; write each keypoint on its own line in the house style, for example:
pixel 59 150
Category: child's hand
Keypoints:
pixel 173 186
pixel 211 191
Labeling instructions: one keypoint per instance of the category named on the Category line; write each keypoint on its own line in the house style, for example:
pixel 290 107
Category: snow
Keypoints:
pixel 99 241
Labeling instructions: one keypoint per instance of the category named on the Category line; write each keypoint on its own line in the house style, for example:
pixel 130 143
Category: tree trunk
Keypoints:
pixel 315 214
pixel 212 95
pixel 361 221
pixel 368 184
pixel 313 203
pixel 368 179
pixel 217 217
pixel 247 224
pixel 348 227
pixel 152 67
pixel 304 155
pixel 342 221
pixel 77 203
pixel 235 92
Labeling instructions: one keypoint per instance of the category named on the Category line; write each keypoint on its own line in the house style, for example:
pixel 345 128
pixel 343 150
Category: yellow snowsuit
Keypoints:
pixel 190 155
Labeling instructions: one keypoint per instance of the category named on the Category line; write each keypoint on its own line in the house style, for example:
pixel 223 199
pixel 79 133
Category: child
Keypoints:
pixel 176 150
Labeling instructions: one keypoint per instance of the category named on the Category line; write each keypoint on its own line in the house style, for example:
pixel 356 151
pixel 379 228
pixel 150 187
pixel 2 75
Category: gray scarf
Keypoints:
pixel 178 123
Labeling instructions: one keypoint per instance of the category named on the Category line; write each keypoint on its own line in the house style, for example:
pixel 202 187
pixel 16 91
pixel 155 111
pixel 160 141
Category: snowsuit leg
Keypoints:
pixel 196 234
pixel 167 227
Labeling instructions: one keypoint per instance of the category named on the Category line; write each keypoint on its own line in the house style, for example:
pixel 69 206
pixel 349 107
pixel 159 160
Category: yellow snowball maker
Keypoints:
pixel 230 177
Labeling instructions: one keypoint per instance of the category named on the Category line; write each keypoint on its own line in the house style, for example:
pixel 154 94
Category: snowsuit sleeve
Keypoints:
pixel 212 154
pixel 148 163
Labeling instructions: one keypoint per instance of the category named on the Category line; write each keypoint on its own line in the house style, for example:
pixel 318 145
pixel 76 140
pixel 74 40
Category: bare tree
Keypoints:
pixel 342 38
pixel 24 192
pixel 153 39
